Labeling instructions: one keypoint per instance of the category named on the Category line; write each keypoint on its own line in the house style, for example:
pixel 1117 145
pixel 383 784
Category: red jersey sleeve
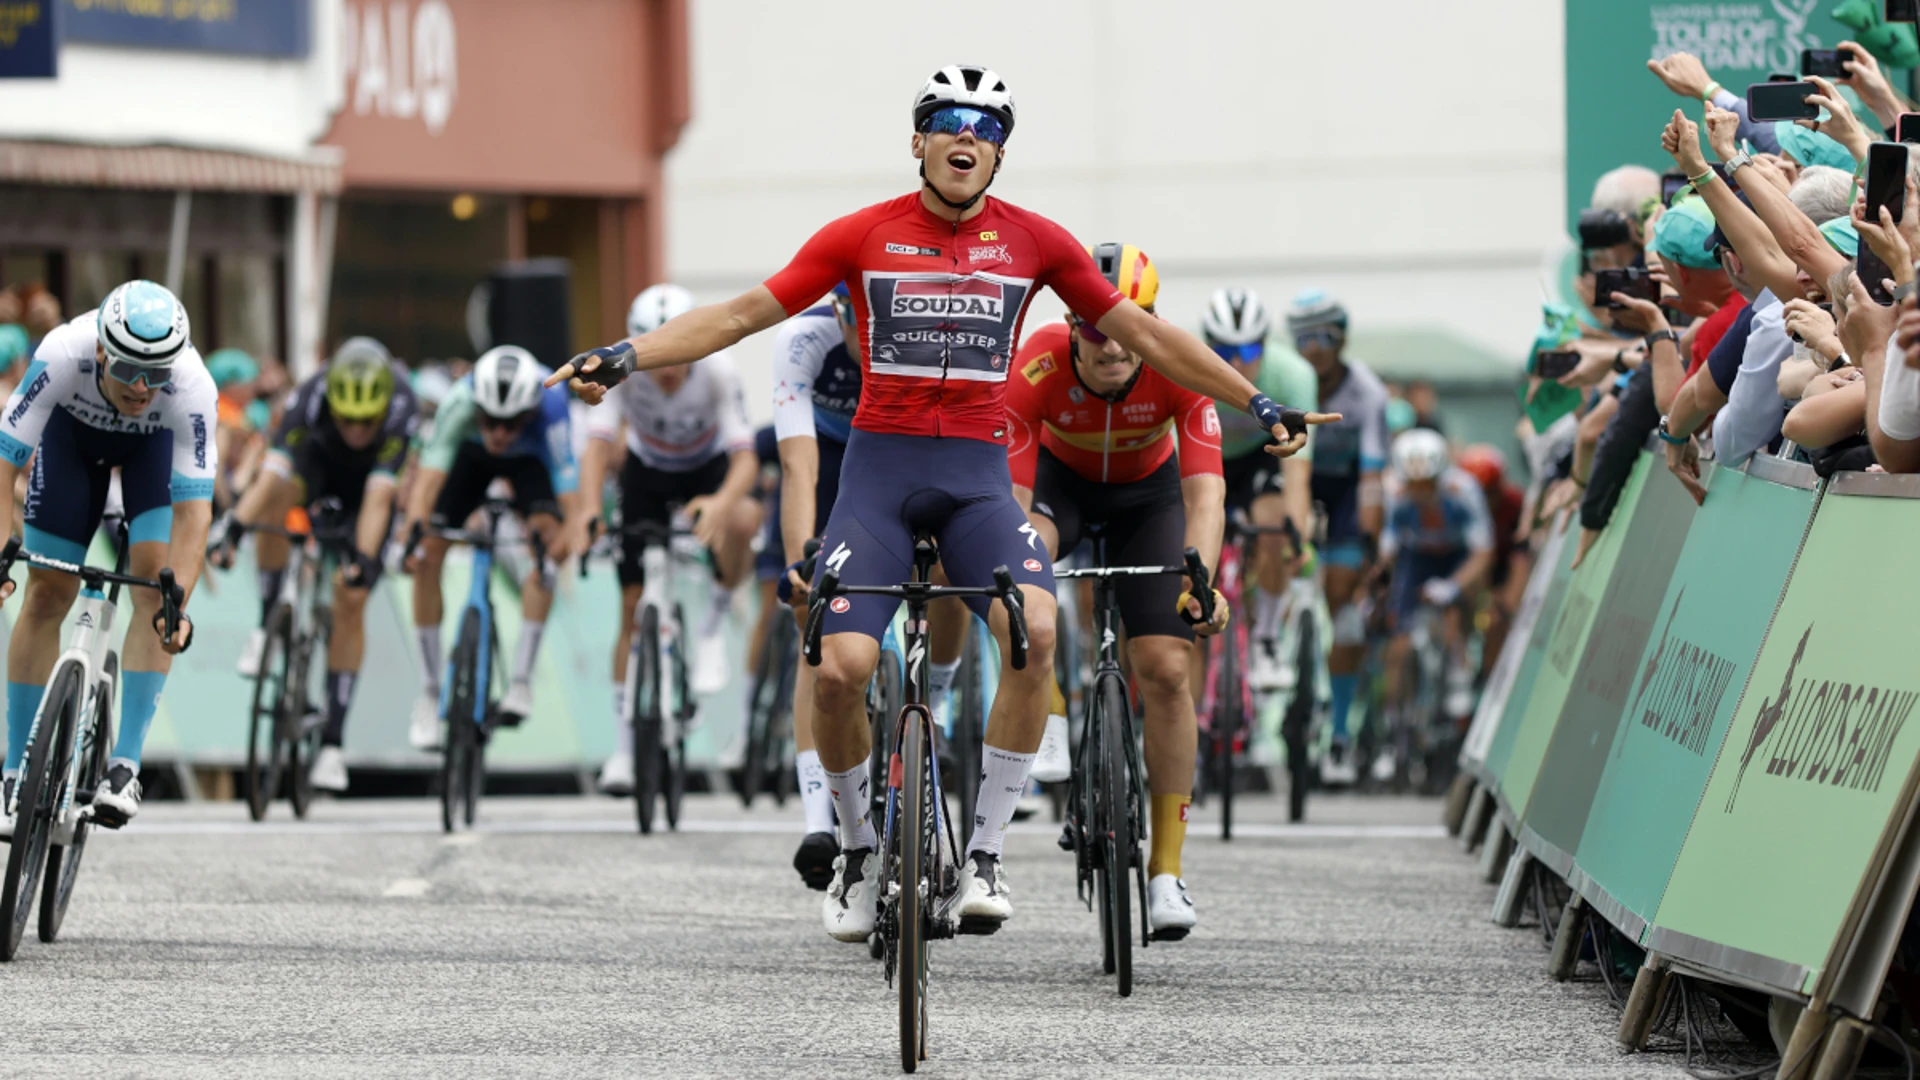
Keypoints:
pixel 825 260
pixel 1026 405
pixel 1199 425
pixel 1070 272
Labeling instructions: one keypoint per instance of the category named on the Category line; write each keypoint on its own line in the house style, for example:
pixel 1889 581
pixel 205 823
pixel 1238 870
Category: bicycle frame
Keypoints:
pixel 479 599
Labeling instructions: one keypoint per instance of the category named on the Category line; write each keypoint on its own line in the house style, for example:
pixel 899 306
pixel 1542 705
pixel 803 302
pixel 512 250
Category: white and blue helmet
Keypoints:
pixel 142 323
pixel 654 307
pixel 1315 308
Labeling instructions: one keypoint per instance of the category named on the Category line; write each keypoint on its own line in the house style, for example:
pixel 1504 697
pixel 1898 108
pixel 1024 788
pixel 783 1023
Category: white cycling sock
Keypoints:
pixel 1266 615
pixel 940 679
pixel 429 638
pixel 1003 779
pixel 815 799
pixel 529 649
pixel 854 801
pixel 719 606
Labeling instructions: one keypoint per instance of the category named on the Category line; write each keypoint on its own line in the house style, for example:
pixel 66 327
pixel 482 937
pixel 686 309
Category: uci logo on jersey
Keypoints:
pixel 913 249
pixel 967 299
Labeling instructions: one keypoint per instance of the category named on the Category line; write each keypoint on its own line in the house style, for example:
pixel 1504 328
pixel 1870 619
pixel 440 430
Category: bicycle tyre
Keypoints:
pixel 303 742
pixel 1296 726
pixel 885 702
pixel 969 729
pixel 1094 830
pixel 646 703
pixel 916 887
pixel 456 772
pixel 63 863
pixel 1117 792
pixel 1228 722
pixel 38 799
pixel 761 704
pixel 674 755
pixel 269 698
pixel 476 774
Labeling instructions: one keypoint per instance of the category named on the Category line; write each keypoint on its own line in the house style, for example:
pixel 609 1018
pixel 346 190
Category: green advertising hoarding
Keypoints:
pixel 1813 767
pixel 1557 564
pixel 1719 601
pixel 1616 108
pixel 1650 545
pixel 1568 643
pixel 1506 670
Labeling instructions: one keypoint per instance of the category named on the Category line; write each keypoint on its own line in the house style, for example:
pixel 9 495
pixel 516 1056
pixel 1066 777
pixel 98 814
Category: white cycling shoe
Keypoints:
pixel 424 732
pixel 117 801
pixel 248 666
pixel 6 810
pixel 853 896
pixel 1336 768
pixel 1265 671
pixel 1170 914
pixel 518 703
pixel 986 901
pixel 1053 762
pixel 616 776
pixel 710 664
pixel 329 771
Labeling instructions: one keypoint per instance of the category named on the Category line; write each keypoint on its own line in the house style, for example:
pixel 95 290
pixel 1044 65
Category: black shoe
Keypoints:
pixel 814 860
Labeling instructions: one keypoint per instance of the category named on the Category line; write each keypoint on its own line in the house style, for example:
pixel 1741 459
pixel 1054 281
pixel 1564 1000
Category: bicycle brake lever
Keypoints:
pixel 1201 589
pixel 817 612
pixel 1016 616
pixel 7 556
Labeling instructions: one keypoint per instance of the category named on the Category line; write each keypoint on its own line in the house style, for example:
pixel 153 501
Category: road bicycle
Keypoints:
pixel 768 765
pixel 919 864
pixel 660 706
pixel 1106 799
pixel 470 689
pixel 67 745
pixel 967 717
pixel 284 728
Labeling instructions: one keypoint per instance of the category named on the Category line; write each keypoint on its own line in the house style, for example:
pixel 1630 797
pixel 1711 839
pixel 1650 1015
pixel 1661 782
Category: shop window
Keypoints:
pixel 404 268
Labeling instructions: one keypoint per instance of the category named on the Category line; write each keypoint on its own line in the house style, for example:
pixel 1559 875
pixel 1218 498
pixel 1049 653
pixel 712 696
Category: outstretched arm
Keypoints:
pixel 697 334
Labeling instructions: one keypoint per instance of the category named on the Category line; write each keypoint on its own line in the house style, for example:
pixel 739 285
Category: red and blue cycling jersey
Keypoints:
pixel 939 306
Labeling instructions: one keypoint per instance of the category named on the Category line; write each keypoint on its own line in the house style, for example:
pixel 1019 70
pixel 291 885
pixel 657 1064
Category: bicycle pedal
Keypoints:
pixel 1169 933
pixel 1066 838
pixel 975 926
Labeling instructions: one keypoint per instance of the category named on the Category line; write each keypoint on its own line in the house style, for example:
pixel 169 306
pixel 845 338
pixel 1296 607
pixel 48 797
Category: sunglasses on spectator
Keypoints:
pixel 505 423
pixel 134 374
pixel 1241 354
pixel 953 120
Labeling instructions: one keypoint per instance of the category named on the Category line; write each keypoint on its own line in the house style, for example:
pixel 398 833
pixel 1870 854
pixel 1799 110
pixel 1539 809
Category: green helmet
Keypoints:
pixel 360 380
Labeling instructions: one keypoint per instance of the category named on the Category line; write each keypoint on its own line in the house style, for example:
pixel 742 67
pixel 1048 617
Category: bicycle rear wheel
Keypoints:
pixel 456 766
pixel 1115 788
pixel 63 861
pixel 1296 726
pixel 917 842
pixel 269 698
pixel 303 738
pixel 41 777
pixel 648 756
pixel 1229 720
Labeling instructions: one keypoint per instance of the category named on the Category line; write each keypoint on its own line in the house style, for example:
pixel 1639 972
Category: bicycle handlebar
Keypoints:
pixel 172 596
pixel 1002 589
pixel 1202 589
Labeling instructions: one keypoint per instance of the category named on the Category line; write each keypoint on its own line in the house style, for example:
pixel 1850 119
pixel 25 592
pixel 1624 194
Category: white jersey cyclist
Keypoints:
pixel 684 428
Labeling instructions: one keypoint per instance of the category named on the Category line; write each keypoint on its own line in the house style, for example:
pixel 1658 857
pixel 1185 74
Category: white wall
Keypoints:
pixel 115 95
pixel 1404 153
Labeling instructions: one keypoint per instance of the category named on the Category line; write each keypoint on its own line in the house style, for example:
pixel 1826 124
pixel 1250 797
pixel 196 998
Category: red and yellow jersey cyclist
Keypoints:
pixel 940 280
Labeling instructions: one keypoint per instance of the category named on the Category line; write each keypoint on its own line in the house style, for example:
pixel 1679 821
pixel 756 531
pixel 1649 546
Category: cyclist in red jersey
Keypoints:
pixel 1094 445
pixel 940 280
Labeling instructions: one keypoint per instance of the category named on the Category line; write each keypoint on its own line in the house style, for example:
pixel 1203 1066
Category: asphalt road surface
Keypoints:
pixel 555 941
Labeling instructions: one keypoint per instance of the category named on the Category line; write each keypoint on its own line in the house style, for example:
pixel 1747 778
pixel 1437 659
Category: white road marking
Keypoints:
pixel 408 887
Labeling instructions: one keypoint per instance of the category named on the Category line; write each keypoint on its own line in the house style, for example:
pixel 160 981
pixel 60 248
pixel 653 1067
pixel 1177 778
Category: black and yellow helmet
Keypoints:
pixel 360 380
pixel 1130 271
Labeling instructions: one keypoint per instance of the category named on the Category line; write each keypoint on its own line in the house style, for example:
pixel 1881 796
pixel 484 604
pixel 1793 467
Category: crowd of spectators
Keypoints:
pixel 1764 339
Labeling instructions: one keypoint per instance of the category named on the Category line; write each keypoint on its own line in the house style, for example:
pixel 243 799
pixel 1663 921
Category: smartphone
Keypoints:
pixel 1886 179
pixel 1781 101
pixel 1907 11
pixel 1872 272
pixel 1556 365
pixel 1826 63
pixel 1779 77
pixel 1671 184
pixel 1635 281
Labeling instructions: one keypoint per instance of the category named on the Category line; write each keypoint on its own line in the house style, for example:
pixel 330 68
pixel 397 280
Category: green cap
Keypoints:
pixel 1400 415
pixel 1840 233
pixel 229 366
pixel 1682 234
pixel 13 344
pixel 1809 147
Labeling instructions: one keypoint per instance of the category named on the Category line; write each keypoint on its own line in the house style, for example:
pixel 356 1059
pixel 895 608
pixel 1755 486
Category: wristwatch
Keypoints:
pixel 1732 164
pixel 1901 292
pixel 1658 336
pixel 1619 362
pixel 1667 436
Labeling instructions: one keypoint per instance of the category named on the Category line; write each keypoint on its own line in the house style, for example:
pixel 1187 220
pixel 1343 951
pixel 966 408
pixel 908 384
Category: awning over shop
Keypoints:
pixel 168 168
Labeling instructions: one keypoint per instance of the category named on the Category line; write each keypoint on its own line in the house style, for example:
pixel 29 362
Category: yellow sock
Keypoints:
pixel 1169 834
pixel 1058 706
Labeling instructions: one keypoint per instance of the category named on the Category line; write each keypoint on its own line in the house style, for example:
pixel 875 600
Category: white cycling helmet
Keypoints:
pixel 1315 307
pixel 1235 317
pixel 141 323
pixel 654 306
pixel 970 85
pixel 1420 454
pixel 506 381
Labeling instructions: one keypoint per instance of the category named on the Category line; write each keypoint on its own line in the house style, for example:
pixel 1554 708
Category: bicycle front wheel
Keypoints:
pixel 1296 727
pixel 264 745
pixel 1229 721
pixel 647 699
pixel 456 766
pixel 41 778
pixel 917 842
pixel 1116 789
pixel 303 738
pixel 63 862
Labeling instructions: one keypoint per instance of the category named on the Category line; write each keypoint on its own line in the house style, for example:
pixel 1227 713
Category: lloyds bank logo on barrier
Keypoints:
pixel 1745 36
pixel 1824 731
pixel 1680 690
